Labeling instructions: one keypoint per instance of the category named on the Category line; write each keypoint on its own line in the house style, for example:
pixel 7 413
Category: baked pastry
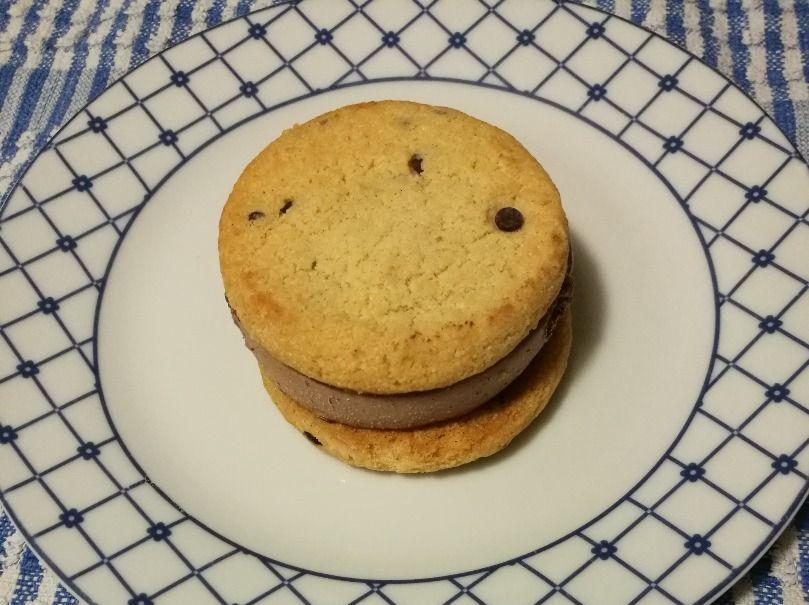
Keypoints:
pixel 401 272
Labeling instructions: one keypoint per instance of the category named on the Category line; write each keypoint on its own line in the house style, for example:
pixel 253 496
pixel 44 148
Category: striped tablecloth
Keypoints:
pixel 55 55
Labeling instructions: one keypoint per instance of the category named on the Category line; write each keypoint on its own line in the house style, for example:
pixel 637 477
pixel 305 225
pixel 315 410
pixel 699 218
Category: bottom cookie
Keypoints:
pixel 480 433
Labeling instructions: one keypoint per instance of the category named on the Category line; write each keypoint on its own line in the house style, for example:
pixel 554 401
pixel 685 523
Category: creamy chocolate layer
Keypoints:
pixel 410 410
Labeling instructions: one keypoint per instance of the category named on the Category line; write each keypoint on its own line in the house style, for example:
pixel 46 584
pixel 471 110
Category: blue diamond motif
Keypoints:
pixel 749 130
pixel 770 324
pixel 71 518
pixel 525 37
pixel 27 369
pixel 141 599
pixel 603 550
pixel 48 305
pixel 755 194
pixel 777 393
pixel 390 39
pixel 248 89
pixel 762 258
pixel 697 544
pixel 668 82
pixel 179 78
pixel 88 450
pixel 673 144
pixel 595 30
pixel 596 92
pixel 7 434
pixel 784 464
pixel 457 40
pixel 158 532
pixel 97 124
pixel 692 472
pixel 257 30
pixel 168 137
pixel 323 36
pixel 83 183
pixel 66 243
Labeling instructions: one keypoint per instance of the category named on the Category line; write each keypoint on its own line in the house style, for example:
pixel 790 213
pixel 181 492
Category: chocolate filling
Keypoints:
pixel 410 410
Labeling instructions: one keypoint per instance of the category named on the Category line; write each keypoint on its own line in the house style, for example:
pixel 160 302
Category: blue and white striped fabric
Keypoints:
pixel 55 55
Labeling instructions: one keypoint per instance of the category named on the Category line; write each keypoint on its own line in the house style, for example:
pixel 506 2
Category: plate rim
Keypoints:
pixel 733 576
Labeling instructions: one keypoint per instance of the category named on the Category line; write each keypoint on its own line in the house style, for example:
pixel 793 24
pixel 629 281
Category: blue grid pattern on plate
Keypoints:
pixel 658 137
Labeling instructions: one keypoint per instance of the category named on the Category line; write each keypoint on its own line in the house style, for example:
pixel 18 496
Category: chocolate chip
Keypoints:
pixel 311 438
pixel 414 163
pixel 313 265
pixel 287 205
pixel 255 215
pixel 508 219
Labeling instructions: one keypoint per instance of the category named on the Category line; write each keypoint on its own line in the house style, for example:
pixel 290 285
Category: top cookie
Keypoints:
pixel 361 247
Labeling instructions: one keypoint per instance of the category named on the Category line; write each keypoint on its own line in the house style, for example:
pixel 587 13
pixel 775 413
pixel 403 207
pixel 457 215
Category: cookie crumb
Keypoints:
pixel 255 215
pixel 287 205
pixel 414 163
pixel 312 438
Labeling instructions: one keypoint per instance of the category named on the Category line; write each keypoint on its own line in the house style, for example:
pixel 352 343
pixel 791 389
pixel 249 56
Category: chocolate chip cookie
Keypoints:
pixel 397 269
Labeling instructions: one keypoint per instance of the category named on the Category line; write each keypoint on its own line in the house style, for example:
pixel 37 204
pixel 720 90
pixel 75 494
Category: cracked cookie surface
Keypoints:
pixel 361 248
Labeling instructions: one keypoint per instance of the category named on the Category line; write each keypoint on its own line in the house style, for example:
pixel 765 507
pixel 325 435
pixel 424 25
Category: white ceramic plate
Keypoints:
pixel 139 453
